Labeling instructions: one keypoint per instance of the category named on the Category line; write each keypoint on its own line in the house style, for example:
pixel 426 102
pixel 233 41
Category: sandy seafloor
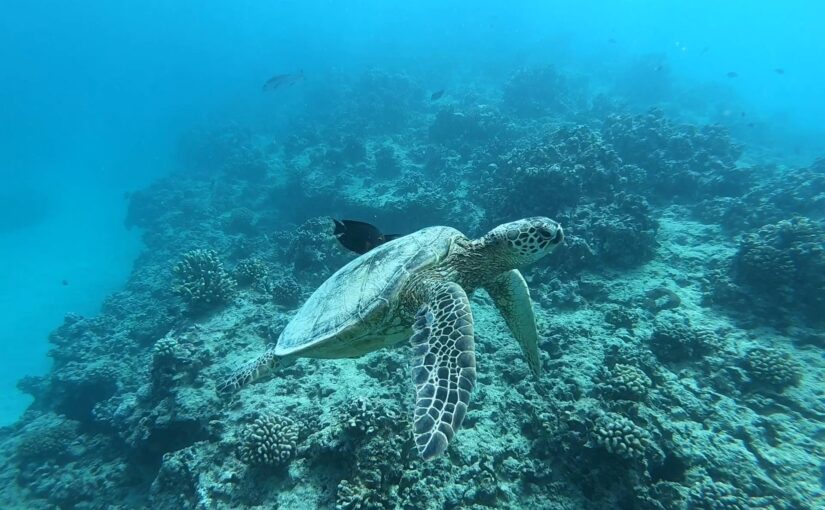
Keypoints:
pixel 681 321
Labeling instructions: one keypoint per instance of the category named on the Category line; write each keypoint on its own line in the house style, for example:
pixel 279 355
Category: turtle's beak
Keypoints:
pixel 559 237
pixel 554 233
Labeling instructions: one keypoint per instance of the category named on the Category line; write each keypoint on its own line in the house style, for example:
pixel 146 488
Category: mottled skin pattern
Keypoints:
pixel 417 287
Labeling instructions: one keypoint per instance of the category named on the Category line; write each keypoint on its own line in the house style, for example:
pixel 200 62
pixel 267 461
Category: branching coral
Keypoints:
pixel 357 496
pixel 250 271
pixel 773 368
pixel 285 291
pixel 165 348
pixel 620 436
pixel 711 495
pixel 270 440
pixel 625 382
pixel 202 280
pixel 674 339
pixel 784 264
pixel 364 415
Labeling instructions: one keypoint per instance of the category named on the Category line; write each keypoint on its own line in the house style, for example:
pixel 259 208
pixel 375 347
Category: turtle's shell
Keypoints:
pixel 341 316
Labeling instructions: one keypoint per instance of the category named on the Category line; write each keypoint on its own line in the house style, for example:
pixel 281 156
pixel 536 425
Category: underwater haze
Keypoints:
pixel 412 255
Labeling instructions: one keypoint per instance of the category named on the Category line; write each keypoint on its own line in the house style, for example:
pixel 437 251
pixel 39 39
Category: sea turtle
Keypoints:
pixel 417 287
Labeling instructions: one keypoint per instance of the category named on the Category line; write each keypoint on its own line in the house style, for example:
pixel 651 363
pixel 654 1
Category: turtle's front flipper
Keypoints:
pixel 258 368
pixel 444 367
pixel 512 298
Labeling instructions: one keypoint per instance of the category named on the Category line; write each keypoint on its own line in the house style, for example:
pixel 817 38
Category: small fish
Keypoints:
pixel 64 283
pixel 659 67
pixel 437 95
pixel 360 237
pixel 704 50
pixel 611 41
pixel 283 80
pixel 732 74
pixel 779 70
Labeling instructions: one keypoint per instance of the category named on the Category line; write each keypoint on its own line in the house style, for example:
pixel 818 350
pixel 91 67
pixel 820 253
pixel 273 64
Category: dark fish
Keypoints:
pixel 283 80
pixel 732 74
pixel 437 95
pixel 704 50
pixel 659 67
pixel 611 41
pixel 779 70
pixel 64 283
pixel 360 237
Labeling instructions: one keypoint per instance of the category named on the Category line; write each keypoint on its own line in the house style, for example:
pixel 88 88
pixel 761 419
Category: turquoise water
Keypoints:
pixel 134 133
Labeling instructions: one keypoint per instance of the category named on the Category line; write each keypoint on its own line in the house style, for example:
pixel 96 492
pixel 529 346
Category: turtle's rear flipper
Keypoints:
pixel 444 367
pixel 512 298
pixel 257 369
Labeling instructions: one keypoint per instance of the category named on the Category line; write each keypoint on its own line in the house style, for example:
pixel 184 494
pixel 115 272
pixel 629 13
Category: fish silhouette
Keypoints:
pixel 360 237
pixel 283 80
pixel 437 95
pixel 732 74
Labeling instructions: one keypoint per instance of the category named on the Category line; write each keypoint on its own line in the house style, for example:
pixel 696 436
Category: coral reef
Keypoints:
pixel 620 436
pixel 250 271
pixel 357 496
pixel 678 160
pixel 542 91
pixel 626 382
pixel 285 291
pixel 674 339
pixel 675 323
pixel 202 280
pixel 773 368
pixel 782 266
pixel 716 496
pixel 50 443
pixel 270 440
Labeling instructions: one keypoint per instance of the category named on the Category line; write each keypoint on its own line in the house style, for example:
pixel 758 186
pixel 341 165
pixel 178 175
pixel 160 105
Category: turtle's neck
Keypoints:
pixel 476 264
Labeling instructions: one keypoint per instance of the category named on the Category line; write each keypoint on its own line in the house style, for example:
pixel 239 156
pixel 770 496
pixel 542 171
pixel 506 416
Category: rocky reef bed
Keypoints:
pixel 681 322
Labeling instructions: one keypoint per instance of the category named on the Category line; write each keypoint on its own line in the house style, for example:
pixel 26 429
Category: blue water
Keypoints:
pixel 95 97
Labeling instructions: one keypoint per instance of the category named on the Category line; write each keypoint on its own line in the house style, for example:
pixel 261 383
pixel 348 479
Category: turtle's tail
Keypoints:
pixel 257 369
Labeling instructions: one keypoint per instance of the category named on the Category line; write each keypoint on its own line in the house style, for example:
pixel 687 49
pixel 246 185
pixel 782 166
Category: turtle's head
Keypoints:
pixel 523 242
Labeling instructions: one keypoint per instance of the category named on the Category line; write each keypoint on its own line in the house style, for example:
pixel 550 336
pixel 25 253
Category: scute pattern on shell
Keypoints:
pixel 358 292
